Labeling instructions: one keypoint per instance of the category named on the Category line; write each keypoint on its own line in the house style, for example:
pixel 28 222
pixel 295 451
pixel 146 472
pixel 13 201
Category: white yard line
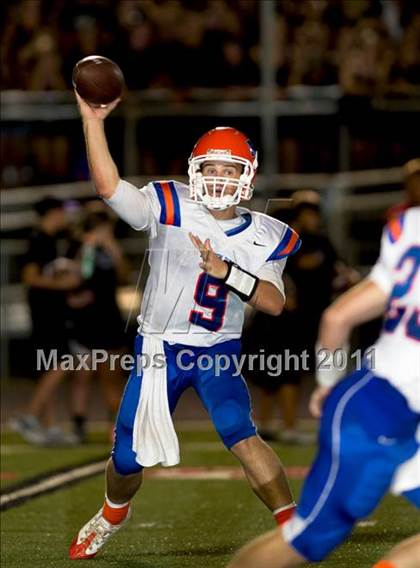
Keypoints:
pixel 55 481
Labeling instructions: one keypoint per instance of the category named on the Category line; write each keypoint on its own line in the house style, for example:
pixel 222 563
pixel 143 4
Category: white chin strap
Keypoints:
pixel 219 203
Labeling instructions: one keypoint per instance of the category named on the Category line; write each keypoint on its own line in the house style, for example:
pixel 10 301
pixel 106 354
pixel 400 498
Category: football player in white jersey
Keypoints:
pixel 368 439
pixel 208 258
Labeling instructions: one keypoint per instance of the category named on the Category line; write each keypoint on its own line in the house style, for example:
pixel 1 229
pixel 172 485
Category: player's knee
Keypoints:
pixel 232 422
pixel 124 460
pixel 368 488
pixel 357 507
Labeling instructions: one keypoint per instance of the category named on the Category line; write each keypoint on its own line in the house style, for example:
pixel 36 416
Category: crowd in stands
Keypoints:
pixel 356 50
pixel 365 46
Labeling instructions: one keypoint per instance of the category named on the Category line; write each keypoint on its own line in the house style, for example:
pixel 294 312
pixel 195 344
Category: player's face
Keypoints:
pixel 222 170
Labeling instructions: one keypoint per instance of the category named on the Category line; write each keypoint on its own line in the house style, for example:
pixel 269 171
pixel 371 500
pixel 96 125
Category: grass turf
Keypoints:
pixel 176 523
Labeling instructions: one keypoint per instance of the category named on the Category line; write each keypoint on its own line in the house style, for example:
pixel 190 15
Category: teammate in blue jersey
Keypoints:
pixel 208 258
pixel 369 434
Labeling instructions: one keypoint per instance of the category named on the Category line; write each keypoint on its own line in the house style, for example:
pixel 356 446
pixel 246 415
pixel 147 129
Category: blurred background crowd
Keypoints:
pixel 351 52
pixel 368 47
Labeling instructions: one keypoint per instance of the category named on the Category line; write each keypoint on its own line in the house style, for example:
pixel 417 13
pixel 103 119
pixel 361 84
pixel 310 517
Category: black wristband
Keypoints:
pixel 240 281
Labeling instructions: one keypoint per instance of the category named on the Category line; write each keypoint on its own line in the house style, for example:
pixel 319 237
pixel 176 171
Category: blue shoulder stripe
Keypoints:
pixel 159 193
pixel 177 208
pixel 170 210
pixel 289 244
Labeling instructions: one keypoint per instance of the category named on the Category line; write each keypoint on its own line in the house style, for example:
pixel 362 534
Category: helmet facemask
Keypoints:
pixel 213 191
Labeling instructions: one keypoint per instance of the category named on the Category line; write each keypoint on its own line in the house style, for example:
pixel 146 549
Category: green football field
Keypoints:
pixel 194 518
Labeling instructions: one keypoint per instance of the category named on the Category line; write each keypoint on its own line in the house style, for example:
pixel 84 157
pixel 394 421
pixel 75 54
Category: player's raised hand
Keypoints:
pixel 88 112
pixel 317 400
pixel 210 262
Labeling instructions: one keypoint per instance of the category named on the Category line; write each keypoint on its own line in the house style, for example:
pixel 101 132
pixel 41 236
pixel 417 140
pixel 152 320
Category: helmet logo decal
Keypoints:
pixel 250 146
pixel 219 152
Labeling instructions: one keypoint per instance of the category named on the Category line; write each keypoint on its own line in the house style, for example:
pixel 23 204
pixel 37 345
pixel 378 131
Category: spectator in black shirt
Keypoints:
pixel 308 280
pixel 316 269
pixel 313 274
pixel 94 315
pixel 99 324
pixel 48 277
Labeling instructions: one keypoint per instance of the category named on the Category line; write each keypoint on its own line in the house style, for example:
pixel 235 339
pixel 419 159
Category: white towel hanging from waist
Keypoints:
pixel 154 437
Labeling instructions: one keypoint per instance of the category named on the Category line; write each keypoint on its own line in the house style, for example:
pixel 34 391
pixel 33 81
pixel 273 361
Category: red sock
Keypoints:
pixel 114 514
pixel 384 564
pixel 283 514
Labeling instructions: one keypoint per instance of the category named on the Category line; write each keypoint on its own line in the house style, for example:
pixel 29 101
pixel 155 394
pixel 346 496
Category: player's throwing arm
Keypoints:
pixel 101 83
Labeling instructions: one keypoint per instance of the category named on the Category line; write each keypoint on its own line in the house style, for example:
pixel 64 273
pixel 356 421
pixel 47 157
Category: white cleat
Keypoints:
pixel 92 537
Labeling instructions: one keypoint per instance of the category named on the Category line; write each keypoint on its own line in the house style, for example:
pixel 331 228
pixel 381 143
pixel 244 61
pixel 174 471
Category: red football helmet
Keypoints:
pixel 222 144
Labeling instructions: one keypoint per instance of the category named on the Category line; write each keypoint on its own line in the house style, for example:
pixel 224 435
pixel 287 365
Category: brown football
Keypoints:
pixel 98 80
